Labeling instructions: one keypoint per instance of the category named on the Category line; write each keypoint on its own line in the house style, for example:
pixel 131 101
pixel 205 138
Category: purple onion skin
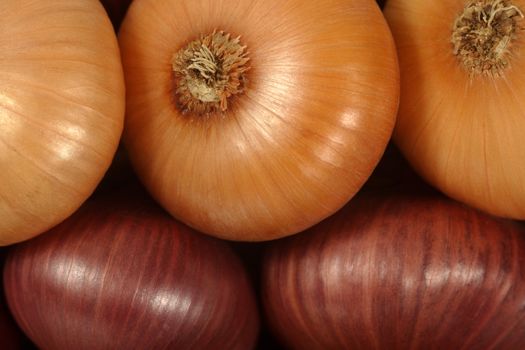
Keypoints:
pixel 399 271
pixel 120 275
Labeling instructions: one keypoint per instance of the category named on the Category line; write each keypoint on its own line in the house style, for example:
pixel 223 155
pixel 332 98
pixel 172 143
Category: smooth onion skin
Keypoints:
pixel 296 146
pixel 123 275
pixel 399 272
pixel 61 110
pixel 463 134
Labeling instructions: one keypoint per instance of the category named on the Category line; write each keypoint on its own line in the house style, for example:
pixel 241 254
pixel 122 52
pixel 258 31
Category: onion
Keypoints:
pixel 61 110
pixel 123 275
pixel 461 122
pixel 399 271
pixel 253 120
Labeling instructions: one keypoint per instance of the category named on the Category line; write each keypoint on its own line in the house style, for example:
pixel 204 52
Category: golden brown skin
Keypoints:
pixel 61 110
pixel 300 141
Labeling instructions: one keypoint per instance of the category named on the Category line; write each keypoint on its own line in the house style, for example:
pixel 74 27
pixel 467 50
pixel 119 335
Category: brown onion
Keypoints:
pixel 61 110
pixel 461 121
pixel 252 120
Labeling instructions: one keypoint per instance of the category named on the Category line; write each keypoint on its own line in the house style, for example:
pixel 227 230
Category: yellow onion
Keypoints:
pixel 61 110
pixel 461 122
pixel 253 120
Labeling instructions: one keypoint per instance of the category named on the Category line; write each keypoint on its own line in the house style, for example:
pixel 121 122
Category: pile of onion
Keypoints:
pixel 461 122
pixel 61 110
pixel 253 120
pixel 399 271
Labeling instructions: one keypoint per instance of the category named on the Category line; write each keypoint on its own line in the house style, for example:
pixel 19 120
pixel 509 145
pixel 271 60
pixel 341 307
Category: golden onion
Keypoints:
pixel 253 120
pixel 61 110
pixel 461 121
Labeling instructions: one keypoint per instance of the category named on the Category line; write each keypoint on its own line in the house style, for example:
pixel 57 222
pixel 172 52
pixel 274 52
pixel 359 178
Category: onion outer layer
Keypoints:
pixel 295 146
pixel 122 274
pixel 463 133
pixel 61 110
pixel 399 271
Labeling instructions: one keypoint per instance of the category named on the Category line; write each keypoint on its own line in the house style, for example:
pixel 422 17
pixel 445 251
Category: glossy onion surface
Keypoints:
pixel 399 272
pixel 61 110
pixel 315 117
pixel 463 133
pixel 124 276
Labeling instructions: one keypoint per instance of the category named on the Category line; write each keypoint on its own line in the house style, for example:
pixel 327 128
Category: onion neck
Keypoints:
pixel 483 33
pixel 208 72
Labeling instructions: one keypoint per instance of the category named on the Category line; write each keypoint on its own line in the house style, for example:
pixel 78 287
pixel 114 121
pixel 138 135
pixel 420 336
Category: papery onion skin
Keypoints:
pixel 463 133
pixel 122 274
pixel 61 110
pixel 314 120
pixel 399 271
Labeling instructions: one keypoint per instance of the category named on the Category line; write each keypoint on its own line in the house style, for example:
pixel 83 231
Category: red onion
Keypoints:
pixel 399 272
pixel 119 275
